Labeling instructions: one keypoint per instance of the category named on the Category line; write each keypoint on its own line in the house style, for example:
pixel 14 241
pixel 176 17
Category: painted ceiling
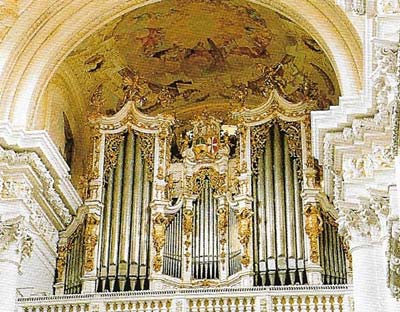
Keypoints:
pixel 179 56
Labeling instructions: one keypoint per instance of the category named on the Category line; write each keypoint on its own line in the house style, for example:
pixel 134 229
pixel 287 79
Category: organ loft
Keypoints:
pixel 211 200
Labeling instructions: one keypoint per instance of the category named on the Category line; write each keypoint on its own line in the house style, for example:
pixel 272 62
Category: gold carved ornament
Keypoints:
pixel 160 223
pixel 195 183
pixel 313 227
pixel 61 261
pixel 187 231
pixel 244 222
pixel 222 228
pixel 147 151
pixel 90 241
pixel 113 142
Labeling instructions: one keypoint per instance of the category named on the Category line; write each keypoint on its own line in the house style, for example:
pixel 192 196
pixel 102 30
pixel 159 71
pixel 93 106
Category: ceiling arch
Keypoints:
pixel 180 54
pixel 30 60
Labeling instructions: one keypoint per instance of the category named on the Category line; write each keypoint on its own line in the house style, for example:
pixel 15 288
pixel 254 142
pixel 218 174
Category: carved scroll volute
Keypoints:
pixel 90 241
pixel 61 261
pixel 244 223
pixel 160 222
pixel 313 228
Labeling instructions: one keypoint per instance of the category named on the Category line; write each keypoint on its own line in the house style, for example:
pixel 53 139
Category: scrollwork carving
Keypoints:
pixel 113 142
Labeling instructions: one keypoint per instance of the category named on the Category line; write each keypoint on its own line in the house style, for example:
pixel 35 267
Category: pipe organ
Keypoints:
pixel 204 202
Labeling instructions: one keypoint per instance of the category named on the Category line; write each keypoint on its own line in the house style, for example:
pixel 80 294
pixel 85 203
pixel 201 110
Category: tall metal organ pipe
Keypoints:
pixel 124 242
pixel 278 216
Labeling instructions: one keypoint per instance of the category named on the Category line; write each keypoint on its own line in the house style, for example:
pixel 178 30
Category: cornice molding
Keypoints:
pixel 40 143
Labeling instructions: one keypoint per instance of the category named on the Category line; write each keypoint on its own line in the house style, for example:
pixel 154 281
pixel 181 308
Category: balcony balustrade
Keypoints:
pixel 331 298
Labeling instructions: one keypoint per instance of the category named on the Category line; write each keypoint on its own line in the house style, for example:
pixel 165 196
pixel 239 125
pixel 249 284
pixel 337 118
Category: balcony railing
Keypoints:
pixel 335 298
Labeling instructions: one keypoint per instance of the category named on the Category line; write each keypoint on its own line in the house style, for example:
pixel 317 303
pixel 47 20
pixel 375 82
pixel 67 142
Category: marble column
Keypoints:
pixel 364 226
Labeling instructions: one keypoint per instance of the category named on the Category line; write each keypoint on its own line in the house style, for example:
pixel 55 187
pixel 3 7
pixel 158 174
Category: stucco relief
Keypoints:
pixel 31 159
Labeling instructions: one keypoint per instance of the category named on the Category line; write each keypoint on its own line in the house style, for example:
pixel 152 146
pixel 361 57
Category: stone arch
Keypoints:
pixel 43 37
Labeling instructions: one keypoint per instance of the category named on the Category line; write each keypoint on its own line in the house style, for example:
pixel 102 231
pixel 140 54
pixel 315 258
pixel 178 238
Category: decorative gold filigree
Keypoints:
pixel 147 151
pixel 313 227
pixel 113 142
pixel 61 261
pixel 293 133
pixel 258 138
pixel 244 221
pixel 160 222
pixel 90 241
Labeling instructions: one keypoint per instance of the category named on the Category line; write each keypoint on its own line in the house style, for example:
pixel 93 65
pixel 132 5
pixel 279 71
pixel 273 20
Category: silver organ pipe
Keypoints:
pixel 278 219
pixel 126 204
pixel 205 255
pixel 279 205
pixel 301 276
pixel 269 208
pixel 74 268
pixel 290 212
pixel 333 260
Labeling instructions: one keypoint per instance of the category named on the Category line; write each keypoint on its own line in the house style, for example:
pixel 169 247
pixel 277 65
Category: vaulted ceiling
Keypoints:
pixel 181 56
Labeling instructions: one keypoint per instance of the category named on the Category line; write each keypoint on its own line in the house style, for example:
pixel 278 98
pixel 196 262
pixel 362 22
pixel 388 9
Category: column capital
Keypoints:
pixel 16 244
pixel 364 222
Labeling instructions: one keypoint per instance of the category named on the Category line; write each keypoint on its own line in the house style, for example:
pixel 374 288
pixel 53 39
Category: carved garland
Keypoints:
pixel 244 221
pixel 160 222
pixel 222 228
pixel 90 241
pixel 313 227
pixel 187 231
pixel 61 261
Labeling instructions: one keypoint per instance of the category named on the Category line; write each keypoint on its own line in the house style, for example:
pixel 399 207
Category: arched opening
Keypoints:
pixel 198 148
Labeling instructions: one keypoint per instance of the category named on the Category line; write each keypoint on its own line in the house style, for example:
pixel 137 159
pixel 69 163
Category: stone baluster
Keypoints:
pixel 336 304
pixel 225 306
pixel 319 303
pixel 296 304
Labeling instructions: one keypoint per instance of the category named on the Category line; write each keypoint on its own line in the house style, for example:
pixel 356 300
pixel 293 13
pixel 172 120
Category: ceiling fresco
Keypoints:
pixel 182 55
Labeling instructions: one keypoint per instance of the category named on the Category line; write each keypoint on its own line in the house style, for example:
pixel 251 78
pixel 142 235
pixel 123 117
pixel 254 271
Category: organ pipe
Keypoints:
pixel 270 206
pixel 116 209
pixel 277 233
pixel 126 202
pixel 290 211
